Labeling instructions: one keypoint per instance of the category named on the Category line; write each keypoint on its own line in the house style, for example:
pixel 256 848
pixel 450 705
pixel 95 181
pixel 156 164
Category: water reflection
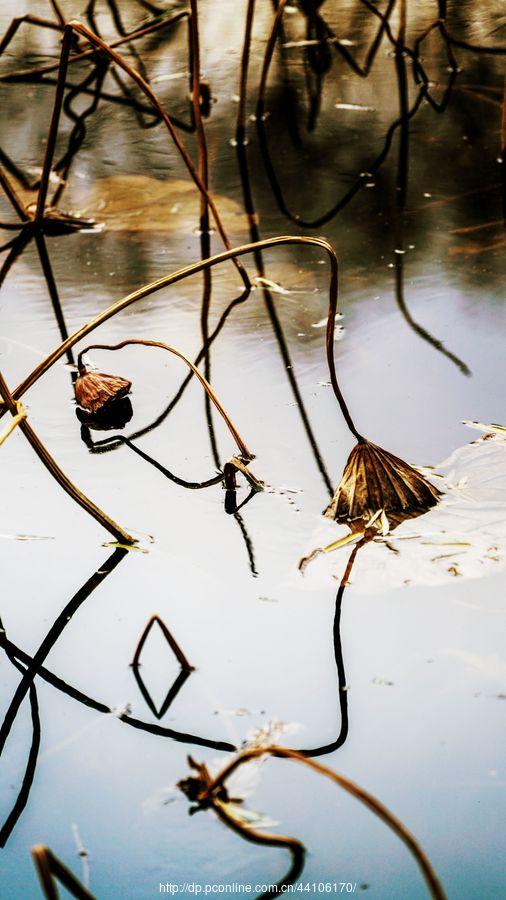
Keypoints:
pixel 29 667
pixel 295 152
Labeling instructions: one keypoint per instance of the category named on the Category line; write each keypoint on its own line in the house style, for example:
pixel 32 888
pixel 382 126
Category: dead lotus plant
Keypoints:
pixel 97 392
pixel 206 791
pixel 374 479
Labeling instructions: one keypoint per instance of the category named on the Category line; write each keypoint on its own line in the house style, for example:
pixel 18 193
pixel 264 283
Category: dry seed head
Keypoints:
pixel 374 480
pixel 95 390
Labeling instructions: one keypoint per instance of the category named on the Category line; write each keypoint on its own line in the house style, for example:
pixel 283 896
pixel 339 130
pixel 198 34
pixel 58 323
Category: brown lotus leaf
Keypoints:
pixel 375 480
pixel 95 390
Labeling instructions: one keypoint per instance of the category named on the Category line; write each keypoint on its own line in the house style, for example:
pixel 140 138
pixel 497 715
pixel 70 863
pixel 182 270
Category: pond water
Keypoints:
pixel 418 718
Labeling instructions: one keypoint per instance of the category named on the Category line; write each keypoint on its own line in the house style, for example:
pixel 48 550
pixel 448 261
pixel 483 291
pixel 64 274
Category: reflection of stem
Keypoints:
pixel 359 184
pixel 240 128
pixel 250 550
pixel 78 133
pixel 402 183
pixel 334 42
pixel 53 290
pixel 120 439
pixel 205 384
pixel 341 674
pixel 53 128
pixel 271 310
pixel 205 238
pixel 24 792
pixel 91 703
pixel 59 475
pixel 367 799
pixel 52 637
pixel 249 204
pixel 418 329
pixel 16 248
pixel 402 83
pixel 13 197
pixel 172 693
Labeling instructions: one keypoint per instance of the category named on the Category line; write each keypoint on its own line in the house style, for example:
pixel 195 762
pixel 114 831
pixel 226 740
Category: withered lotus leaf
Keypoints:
pixel 375 480
pixel 95 390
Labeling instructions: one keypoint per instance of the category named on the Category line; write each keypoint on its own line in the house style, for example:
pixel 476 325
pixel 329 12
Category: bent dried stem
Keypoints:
pixel 58 474
pixel 245 453
pixel 295 847
pixel 367 799
pixel 193 269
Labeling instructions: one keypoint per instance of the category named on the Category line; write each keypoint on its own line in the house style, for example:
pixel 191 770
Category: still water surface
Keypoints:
pixel 424 667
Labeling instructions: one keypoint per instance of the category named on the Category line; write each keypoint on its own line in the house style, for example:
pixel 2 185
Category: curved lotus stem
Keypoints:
pixel 295 847
pixel 245 453
pixel 58 474
pixel 193 269
pixel 355 790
